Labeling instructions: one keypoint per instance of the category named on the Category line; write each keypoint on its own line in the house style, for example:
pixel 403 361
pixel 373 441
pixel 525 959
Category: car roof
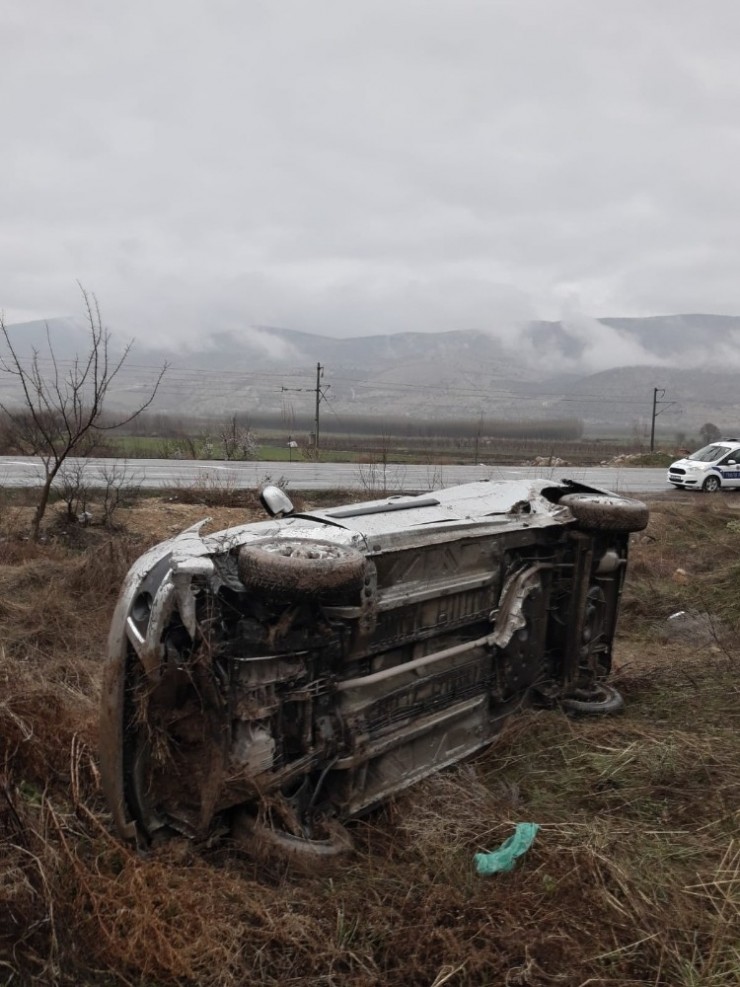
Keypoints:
pixel 470 502
pixel 520 503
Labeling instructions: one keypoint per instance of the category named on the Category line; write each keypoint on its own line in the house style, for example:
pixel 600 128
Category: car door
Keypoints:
pixel 729 468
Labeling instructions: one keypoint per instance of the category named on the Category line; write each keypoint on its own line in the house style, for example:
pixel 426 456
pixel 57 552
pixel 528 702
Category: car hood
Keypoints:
pixel 691 464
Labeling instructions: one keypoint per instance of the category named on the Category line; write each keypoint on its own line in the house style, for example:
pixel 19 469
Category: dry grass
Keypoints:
pixel 634 878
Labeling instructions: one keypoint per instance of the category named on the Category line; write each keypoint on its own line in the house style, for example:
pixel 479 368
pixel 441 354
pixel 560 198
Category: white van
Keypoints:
pixel 715 466
pixel 280 678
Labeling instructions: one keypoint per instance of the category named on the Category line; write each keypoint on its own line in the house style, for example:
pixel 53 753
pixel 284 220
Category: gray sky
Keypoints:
pixel 367 166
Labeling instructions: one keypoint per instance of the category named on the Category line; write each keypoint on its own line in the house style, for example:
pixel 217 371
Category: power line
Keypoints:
pixel 183 374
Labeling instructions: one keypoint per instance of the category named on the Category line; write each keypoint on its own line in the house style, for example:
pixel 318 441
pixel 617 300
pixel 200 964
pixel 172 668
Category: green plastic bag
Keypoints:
pixel 503 859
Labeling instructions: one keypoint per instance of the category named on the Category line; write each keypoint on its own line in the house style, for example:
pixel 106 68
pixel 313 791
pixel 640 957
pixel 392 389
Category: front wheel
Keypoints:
pixel 301 569
pixel 267 837
pixel 711 484
pixel 606 512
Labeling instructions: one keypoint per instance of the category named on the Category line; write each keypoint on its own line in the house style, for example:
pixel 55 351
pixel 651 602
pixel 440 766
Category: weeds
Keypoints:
pixel 634 878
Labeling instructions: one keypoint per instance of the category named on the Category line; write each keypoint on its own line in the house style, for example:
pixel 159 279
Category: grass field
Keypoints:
pixel 396 449
pixel 634 878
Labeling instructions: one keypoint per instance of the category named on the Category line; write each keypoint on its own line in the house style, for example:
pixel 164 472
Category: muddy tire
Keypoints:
pixel 264 839
pixel 603 512
pixel 712 484
pixel 294 569
pixel 602 700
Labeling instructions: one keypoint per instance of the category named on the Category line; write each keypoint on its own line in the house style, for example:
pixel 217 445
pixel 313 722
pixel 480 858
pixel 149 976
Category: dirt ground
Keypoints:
pixel 633 879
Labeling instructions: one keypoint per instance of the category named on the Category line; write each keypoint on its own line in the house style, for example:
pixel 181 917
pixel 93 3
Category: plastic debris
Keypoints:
pixel 503 859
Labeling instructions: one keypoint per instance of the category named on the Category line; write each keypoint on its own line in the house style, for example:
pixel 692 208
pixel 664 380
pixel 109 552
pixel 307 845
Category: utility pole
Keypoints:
pixel 658 393
pixel 320 396
pixel 319 372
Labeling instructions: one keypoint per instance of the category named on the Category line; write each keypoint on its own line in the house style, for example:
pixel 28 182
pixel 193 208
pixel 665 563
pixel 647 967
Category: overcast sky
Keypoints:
pixel 368 166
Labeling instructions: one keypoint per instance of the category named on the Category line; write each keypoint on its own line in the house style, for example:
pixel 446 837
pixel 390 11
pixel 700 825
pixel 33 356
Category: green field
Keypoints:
pixel 393 449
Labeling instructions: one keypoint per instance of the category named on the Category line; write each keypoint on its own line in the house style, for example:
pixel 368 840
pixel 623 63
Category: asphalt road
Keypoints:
pixel 376 480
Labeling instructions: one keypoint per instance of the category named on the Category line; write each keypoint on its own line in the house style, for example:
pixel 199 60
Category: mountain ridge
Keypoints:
pixel 543 370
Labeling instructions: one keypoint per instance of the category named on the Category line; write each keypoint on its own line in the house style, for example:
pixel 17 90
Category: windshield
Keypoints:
pixel 709 453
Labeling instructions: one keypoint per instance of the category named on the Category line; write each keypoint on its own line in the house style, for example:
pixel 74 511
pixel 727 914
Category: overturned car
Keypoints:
pixel 278 678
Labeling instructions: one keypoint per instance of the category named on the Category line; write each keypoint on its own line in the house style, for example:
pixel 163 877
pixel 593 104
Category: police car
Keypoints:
pixel 709 469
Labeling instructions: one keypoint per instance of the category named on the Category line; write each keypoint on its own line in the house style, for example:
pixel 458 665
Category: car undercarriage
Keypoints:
pixel 277 679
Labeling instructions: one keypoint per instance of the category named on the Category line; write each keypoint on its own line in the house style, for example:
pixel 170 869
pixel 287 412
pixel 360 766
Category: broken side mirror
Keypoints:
pixel 275 501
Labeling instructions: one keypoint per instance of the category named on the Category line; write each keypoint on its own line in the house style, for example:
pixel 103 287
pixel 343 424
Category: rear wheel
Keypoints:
pixel 711 484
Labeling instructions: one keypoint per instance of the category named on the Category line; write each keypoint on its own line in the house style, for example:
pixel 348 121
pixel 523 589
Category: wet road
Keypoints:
pixel 374 479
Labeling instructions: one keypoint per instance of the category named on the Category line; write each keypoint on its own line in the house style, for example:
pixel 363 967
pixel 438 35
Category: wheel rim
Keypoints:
pixel 295 550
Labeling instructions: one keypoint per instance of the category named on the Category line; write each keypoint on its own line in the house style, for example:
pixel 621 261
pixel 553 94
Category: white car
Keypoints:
pixel 280 678
pixel 709 469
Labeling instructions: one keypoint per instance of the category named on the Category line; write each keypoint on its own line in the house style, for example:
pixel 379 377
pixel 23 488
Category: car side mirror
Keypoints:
pixel 730 462
pixel 275 501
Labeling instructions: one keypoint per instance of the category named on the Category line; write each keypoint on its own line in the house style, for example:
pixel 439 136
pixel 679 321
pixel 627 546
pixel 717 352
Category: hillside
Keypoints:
pixel 542 370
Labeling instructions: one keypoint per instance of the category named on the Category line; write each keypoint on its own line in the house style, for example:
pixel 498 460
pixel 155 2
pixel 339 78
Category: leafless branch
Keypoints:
pixel 60 413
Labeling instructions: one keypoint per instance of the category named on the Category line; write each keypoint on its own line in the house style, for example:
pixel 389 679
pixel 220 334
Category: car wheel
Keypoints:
pixel 264 836
pixel 291 568
pixel 711 484
pixel 603 512
pixel 599 701
pixel 172 764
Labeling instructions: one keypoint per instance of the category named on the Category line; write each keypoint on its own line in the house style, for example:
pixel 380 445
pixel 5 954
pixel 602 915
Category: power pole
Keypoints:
pixel 320 396
pixel 319 371
pixel 656 392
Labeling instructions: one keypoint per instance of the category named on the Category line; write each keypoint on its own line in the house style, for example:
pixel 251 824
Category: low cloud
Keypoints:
pixel 374 167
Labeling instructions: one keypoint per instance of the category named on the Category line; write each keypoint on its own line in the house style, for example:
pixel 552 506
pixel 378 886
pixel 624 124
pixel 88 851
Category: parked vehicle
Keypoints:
pixel 709 469
pixel 278 678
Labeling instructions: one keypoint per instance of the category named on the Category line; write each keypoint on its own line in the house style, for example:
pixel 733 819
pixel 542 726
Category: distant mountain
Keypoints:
pixel 668 338
pixel 544 370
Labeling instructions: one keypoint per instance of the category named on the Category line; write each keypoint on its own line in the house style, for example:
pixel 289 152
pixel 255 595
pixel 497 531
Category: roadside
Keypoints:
pixel 634 877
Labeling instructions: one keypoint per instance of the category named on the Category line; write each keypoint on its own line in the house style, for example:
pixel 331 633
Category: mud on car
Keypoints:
pixel 276 679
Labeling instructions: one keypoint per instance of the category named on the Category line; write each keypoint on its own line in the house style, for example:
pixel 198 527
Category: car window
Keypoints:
pixel 731 455
pixel 709 454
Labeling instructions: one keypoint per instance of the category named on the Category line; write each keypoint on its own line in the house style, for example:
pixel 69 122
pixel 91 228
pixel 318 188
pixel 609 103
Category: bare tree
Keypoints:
pixel 120 485
pixel 374 474
pixel 74 489
pixel 237 440
pixel 709 433
pixel 61 411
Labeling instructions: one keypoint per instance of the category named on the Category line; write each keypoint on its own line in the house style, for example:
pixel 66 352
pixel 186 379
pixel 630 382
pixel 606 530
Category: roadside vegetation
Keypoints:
pixel 634 877
pixel 243 437
pixel 494 450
